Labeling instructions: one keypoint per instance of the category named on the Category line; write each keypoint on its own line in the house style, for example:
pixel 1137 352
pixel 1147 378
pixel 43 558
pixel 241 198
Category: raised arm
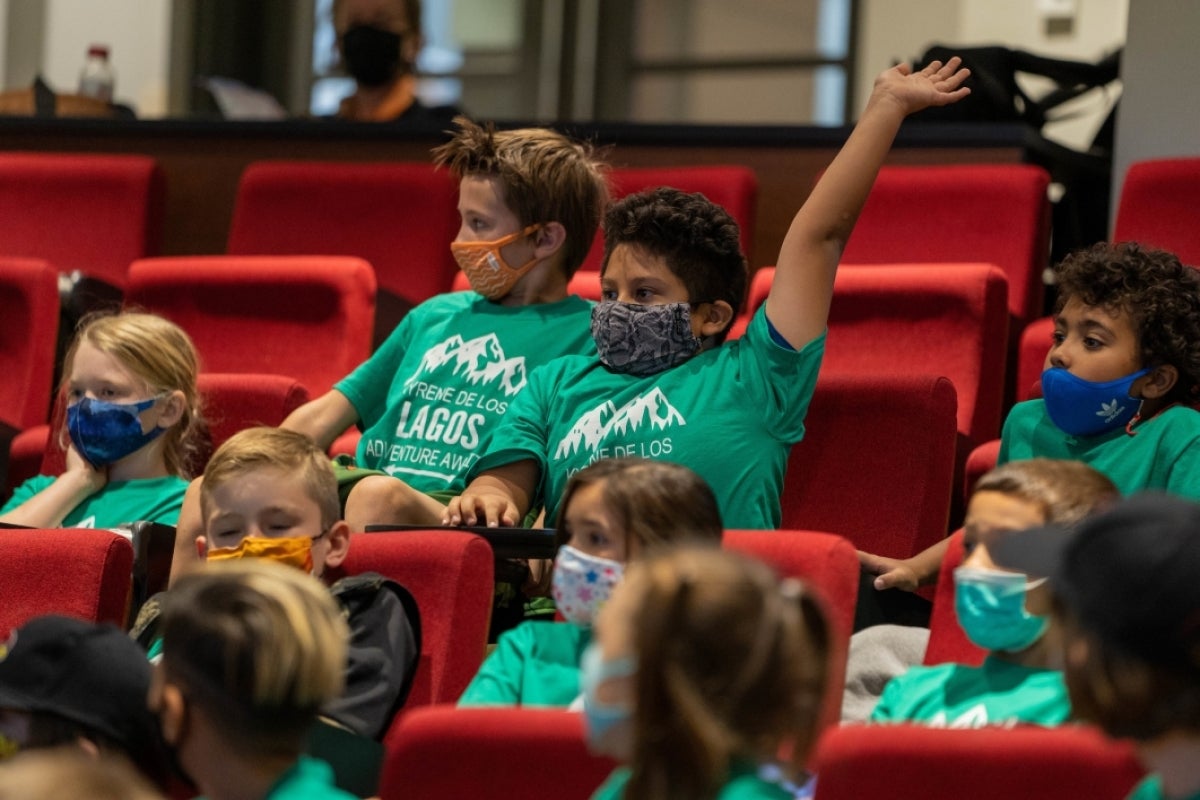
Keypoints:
pixel 798 305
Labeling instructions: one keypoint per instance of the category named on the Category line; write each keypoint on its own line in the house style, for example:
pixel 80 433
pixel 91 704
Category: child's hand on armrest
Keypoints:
pixel 498 497
pixel 893 573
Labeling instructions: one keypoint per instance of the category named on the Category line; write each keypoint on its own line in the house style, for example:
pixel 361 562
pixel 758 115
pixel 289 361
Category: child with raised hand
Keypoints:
pixel 251 652
pixel 1119 388
pixel 1002 611
pixel 133 422
pixel 614 512
pixel 1125 586
pixel 705 669
pixel 269 494
pixel 664 386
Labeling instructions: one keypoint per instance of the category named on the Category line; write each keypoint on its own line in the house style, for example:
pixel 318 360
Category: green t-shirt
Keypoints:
pixel 534 664
pixel 745 783
pixel 956 696
pixel 1163 454
pixel 1151 789
pixel 430 396
pixel 731 414
pixel 307 779
pixel 118 503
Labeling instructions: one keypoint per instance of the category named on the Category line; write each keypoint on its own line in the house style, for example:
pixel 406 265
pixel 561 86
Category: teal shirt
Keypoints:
pixel 429 397
pixel 534 664
pixel 957 696
pixel 731 414
pixel 745 783
pixel 118 503
pixel 1163 454
pixel 1151 789
pixel 307 779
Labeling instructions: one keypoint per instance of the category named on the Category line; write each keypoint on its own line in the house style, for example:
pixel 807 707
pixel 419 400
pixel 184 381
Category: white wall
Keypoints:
pixel 1159 115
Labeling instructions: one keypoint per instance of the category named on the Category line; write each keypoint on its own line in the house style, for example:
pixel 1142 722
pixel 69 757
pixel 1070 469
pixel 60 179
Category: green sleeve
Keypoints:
pixel 885 708
pixel 498 682
pixel 1183 478
pixel 367 386
pixel 524 432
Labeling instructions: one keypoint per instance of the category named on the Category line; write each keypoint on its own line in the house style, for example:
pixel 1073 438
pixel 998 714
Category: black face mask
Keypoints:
pixel 372 54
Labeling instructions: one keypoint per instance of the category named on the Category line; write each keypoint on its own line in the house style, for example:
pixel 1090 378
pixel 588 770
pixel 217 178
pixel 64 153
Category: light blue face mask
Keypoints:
pixel 1086 408
pixel 602 721
pixel 991 608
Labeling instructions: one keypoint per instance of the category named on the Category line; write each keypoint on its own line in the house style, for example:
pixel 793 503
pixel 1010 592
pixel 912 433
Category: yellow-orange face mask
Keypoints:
pixel 294 551
pixel 489 274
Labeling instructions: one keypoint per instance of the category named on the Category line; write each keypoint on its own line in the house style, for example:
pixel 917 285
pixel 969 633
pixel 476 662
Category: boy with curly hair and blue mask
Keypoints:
pixel 664 386
pixel 1119 388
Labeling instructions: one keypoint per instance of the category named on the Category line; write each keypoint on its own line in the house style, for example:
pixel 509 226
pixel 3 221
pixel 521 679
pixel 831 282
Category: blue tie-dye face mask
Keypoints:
pixel 107 432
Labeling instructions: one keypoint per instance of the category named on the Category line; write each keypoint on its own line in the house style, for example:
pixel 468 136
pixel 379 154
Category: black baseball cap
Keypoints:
pixel 92 675
pixel 1130 575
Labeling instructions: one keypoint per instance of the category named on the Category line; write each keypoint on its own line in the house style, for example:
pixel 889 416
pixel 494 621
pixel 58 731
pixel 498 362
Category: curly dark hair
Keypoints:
pixel 698 240
pixel 1159 293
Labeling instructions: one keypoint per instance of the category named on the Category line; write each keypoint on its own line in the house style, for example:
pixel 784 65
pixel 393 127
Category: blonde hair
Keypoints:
pixel 259 646
pixel 274 448
pixel 732 665
pixel 67 773
pixel 159 353
pixel 1064 491
pixel 545 177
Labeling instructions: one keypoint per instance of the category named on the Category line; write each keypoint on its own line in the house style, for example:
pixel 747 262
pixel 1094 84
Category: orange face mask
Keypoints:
pixel 489 274
pixel 294 551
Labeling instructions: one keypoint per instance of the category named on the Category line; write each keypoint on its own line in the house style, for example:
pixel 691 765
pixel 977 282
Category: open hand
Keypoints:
pixel 937 84
pixel 892 573
pixel 492 509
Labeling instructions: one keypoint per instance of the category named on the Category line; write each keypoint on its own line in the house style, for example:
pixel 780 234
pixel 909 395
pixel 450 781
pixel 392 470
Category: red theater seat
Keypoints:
pixel 76 572
pixel 1158 207
pixel 498 753
pixel 400 217
pixel 93 213
pixel 876 462
pixel 908 761
pixel 450 574
pixel 733 187
pixel 947 641
pixel 29 297
pixel 993 213
pixel 827 564
pixel 307 317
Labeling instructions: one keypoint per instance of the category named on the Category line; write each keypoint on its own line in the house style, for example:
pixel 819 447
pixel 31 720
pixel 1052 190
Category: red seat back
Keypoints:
pixel 993 213
pixel 1158 207
pixel 307 317
pixel 80 573
pixel 1031 357
pixel 93 213
pixel 733 187
pixel 919 318
pixel 400 217
pixel 499 753
pixel 947 641
pixel 827 564
pixel 876 462
pixel 910 761
pixel 29 297
pixel 450 574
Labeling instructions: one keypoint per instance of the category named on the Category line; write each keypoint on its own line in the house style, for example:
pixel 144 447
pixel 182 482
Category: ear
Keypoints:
pixel 339 544
pixel 1158 383
pixel 548 240
pixel 202 547
pixel 714 317
pixel 171 409
pixel 165 699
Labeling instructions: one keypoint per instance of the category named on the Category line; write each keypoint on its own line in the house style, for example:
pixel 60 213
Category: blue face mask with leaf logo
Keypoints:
pixel 1087 408
pixel 107 432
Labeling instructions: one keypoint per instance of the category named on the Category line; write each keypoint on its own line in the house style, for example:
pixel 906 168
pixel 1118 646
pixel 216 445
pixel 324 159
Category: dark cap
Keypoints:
pixel 1130 575
pixel 92 675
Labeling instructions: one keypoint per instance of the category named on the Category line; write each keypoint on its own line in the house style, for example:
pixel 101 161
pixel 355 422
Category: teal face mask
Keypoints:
pixel 603 721
pixel 991 609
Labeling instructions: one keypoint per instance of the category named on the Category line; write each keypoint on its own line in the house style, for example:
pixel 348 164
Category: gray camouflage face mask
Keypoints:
pixel 643 340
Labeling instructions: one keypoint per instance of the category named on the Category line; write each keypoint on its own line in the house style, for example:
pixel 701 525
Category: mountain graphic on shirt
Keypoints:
pixel 594 426
pixel 479 361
